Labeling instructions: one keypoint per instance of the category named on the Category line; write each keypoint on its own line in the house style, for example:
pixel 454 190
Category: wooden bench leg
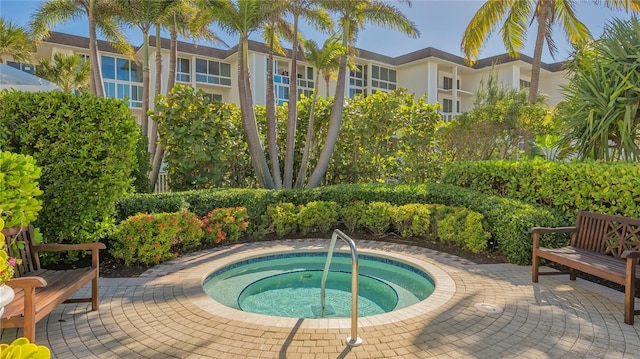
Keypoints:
pixel 535 268
pixel 94 293
pixel 572 274
pixel 29 320
pixel 630 292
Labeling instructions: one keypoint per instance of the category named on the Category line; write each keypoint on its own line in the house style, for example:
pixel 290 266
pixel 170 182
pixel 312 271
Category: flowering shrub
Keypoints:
pixel 225 224
pixel 149 238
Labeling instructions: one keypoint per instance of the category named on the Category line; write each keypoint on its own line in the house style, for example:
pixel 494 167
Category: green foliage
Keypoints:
pixel 21 348
pixel 225 224
pixel 281 218
pixel 412 220
pixel 318 216
pixel 149 203
pixel 377 217
pixel 190 231
pixel 203 141
pixel 86 147
pixel 464 228
pixel 500 120
pixel 351 214
pixel 603 187
pixel 601 120
pixel 146 238
pixel 19 176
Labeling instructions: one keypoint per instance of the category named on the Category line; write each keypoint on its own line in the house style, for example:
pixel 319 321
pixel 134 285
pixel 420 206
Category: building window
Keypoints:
pixel 121 78
pixel 183 70
pixel 383 78
pixel 525 84
pixel 305 81
pixel 358 81
pixel 28 68
pixel 447 83
pixel 213 97
pixel 447 105
pixel 213 72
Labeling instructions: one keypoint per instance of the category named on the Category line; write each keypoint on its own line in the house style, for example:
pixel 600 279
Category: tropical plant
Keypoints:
pixel 317 17
pixel 602 120
pixel 516 15
pixel 352 15
pixel 325 60
pixel 15 42
pixel 100 15
pixel 70 72
pixel 21 348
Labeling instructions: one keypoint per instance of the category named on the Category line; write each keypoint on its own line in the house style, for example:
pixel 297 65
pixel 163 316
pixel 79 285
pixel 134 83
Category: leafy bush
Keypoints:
pixel 225 224
pixel 149 203
pixel 281 218
pixel 351 214
pixel 377 217
pixel 19 189
pixel 604 187
pixel 190 233
pixel 86 147
pixel 412 220
pixel 145 238
pixel 464 228
pixel 318 216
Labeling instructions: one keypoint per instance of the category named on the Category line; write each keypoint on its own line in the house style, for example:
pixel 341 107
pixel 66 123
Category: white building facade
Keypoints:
pixel 443 77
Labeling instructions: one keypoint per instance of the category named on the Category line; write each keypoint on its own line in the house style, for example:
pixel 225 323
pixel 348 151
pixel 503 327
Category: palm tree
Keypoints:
pixel 324 60
pixel 274 26
pixel 319 18
pixel 144 15
pixel 352 15
pixel 243 17
pixel 15 42
pixel 516 15
pixel 70 72
pixel 100 14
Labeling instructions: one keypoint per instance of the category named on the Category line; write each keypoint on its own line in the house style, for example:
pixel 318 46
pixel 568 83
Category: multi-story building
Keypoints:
pixel 443 77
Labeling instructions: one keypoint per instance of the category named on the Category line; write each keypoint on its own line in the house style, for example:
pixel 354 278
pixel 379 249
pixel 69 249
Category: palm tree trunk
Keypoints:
pixel 272 133
pixel 258 158
pixel 145 88
pixel 95 80
pixel 153 137
pixel 543 18
pixel 302 172
pixel 293 108
pixel 334 125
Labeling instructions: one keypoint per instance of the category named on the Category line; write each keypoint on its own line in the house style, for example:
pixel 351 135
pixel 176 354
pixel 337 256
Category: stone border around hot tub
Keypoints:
pixel 194 277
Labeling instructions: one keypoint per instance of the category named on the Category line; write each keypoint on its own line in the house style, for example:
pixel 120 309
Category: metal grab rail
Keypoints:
pixel 353 340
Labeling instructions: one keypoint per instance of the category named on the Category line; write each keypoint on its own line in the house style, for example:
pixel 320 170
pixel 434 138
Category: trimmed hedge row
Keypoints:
pixel 509 220
pixel 604 187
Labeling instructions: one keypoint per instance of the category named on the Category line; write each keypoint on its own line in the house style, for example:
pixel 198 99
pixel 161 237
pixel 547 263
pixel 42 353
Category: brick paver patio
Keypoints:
pixel 483 311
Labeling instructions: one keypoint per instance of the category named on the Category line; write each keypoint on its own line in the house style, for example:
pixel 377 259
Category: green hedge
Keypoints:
pixel 509 220
pixel 86 147
pixel 604 187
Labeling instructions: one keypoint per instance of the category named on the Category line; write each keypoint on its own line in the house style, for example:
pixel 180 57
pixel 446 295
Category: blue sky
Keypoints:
pixel 440 22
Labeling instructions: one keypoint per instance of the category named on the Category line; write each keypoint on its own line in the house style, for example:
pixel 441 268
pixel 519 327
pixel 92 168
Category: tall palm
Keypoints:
pixel 15 42
pixel 311 11
pixel 274 26
pixel 70 72
pixel 323 59
pixel 516 16
pixel 180 21
pixel 352 15
pixel 244 17
pixel 100 14
pixel 144 15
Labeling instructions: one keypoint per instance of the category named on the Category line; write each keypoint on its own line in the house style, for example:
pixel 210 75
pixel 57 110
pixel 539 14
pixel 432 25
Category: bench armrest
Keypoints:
pixel 68 247
pixel 553 230
pixel 630 253
pixel 27 282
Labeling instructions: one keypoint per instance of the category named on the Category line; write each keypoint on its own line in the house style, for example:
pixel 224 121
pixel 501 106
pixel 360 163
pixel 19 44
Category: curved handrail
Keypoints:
pixel 353 340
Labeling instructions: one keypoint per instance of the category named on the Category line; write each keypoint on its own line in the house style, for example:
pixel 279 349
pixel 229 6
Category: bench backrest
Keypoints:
pixel 603 233
pixel 23 236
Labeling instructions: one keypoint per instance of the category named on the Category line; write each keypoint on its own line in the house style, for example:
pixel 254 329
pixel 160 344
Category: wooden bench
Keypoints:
pixel 38 291
pixel 602 245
